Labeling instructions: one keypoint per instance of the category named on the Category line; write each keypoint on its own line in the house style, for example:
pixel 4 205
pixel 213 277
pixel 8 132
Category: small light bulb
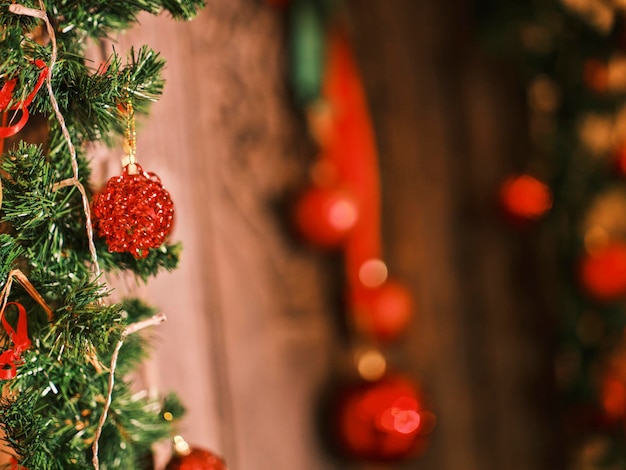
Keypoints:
pixel 371 365
pixel 180 446
pixel 373 273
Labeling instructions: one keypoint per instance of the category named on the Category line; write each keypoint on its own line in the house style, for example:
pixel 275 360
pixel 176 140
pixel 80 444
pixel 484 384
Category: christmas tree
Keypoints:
pixel 66 349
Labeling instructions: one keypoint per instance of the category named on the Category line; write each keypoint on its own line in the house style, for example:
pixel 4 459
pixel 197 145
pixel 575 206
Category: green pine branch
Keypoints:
pixel 51 408
pixel 53 405
pixel 102 17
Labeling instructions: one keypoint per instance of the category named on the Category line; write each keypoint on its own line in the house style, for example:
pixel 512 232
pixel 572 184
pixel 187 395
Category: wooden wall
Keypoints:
pixel 251 338
pixel 450 128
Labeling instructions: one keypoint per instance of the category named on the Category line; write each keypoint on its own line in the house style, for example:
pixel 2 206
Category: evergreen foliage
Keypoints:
pixel 50 409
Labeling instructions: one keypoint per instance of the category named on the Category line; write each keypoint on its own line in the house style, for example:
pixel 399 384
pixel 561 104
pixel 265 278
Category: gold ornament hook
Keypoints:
pixel 130 140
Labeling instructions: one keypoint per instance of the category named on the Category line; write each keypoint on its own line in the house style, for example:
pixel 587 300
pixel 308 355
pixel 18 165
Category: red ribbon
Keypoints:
pixel 6 95
pixel 12 357
pixel 351 147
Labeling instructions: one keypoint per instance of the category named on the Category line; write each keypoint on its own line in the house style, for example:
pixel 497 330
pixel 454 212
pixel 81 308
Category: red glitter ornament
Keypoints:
pixel 603 272
pixel 326 216
pixel 524 198
pixel 133 213
pixel 383 312
pixel 196 459
pixel 383 420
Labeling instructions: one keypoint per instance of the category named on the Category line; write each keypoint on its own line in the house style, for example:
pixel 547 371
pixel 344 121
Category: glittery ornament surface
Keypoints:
pixel 133 213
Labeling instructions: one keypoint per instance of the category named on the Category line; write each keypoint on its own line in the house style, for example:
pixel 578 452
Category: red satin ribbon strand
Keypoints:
pixel 8 131
pixel 20 339
pixel 352 149
pixel 8 366
pixel 6 95
pixel 4 120
pixel 42 78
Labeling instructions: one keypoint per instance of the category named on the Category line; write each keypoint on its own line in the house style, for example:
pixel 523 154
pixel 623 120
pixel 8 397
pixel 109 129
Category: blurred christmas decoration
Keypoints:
pixel 525 198
pixel 570 57
pixel 382 420
pixel 603 272
pixel 383 311
pixel 325 216
pixel 341 208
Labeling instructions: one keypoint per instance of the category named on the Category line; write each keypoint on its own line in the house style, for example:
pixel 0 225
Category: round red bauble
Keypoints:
pixel 133 213
pixel 524 198
pixel 325 216
pixel 382 420
pixel 603 272
pixel 196 459
pixel 383 312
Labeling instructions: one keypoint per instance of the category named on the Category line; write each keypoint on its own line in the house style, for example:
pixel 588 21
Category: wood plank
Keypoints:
pixel 251 338
pixel 444 146
pixel 248 341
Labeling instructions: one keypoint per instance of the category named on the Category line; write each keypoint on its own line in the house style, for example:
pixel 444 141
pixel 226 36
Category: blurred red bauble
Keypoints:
pixel 325 216
pixel 603 272
pixel 524 198
pixel 383 312
pixel 382 420
pixel 133 213
pixel 196 459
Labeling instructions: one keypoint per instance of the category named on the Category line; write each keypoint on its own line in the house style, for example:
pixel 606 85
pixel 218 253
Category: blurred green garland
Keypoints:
pixel 569 56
